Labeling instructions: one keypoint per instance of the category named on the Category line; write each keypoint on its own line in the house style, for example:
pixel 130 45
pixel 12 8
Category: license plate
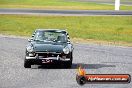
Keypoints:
pixel 46 61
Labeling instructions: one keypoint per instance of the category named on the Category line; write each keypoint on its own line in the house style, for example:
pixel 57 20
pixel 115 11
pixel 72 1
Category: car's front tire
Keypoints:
pixel 27 64
pixel 68 64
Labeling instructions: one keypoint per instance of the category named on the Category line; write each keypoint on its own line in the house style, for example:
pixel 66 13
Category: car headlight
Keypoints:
pixel 66 50
pixel 30 49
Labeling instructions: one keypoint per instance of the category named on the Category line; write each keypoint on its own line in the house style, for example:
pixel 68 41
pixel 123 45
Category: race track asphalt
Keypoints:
pixel 65 12
pixel 96 59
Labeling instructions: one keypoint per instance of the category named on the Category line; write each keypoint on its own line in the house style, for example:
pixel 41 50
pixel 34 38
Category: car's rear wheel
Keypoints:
pixel 27 64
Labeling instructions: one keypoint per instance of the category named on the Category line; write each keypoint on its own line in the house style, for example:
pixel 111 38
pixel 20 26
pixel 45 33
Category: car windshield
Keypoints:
pixel 47 36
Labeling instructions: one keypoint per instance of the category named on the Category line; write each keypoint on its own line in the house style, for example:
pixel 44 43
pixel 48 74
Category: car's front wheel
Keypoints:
pixel 68 64
pixel 27 64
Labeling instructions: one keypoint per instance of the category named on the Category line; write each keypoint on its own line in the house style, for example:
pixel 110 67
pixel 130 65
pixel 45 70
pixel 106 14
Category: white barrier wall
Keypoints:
pixel 117 4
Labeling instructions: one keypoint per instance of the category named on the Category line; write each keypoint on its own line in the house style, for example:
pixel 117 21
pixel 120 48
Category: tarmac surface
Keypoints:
pixel 96 59
pixel 66 12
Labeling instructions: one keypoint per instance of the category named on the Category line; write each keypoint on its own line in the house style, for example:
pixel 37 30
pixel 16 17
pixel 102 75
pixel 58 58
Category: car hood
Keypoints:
pixel 48 47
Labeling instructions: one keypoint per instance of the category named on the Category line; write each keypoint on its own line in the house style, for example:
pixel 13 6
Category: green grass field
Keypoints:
pixel 106 28
pixel 57 4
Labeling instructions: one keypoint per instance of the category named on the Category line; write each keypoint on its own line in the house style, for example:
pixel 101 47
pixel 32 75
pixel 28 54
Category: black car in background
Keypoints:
pixel 49 46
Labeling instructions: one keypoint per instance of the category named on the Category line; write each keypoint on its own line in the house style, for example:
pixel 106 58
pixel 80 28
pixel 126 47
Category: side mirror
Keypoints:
pixel 31 39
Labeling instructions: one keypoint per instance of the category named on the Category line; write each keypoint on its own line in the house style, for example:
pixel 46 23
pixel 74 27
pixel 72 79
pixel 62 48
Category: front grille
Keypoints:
pixel 44 54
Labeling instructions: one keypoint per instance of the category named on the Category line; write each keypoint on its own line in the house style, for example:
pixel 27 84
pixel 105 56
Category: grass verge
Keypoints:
pixel 57 4
pixel 101 28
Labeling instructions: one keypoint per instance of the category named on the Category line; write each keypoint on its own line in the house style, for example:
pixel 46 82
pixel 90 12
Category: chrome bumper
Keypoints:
pixel 49 58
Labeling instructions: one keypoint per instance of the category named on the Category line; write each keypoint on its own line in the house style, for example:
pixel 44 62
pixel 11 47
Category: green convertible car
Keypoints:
pixel 49 46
